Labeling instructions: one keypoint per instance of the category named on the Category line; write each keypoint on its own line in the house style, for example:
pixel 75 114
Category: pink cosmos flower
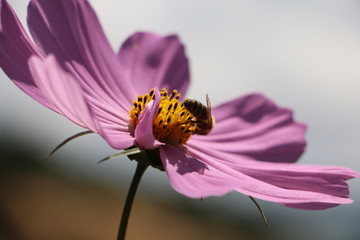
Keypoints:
pixel 72 69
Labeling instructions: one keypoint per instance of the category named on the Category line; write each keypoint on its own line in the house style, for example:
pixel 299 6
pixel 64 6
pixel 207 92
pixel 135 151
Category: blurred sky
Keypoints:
pixel 305 55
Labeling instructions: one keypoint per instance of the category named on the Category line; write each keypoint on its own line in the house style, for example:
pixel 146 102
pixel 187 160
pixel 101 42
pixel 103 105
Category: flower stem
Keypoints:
pixel 140 169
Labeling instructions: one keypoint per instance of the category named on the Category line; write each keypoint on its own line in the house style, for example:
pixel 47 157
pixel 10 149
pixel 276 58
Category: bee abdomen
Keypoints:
pixel 196 108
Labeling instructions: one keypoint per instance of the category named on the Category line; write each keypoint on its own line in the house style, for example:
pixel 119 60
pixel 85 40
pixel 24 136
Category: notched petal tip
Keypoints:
pixel 292 185
pixel 256 127
pixel 16 49
pixel 5 9
pixel 161 60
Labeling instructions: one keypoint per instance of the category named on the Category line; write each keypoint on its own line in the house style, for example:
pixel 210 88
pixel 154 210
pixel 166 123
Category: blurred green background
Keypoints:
pixel 303 54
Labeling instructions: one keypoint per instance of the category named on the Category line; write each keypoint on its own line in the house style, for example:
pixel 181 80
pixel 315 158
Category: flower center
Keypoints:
pixel 173 123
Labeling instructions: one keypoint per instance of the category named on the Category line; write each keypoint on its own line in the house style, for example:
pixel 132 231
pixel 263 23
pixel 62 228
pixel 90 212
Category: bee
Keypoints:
pixel 204 120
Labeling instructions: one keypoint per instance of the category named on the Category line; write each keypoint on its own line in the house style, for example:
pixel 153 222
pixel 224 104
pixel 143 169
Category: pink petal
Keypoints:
pixel 71 31
pixel 144 130
pixel 15 51
pixel 62 90
pixel 119 138
pixel 190 177
pixel 298 186
pixel 196 173
pixel 155 61
pixel 253 126
pixel 112 118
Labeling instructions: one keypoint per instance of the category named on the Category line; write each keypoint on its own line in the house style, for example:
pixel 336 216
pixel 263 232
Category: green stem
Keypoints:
pixel 140 169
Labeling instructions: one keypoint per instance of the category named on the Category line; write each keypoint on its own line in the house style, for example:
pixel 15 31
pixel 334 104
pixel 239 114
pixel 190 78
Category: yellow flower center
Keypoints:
pixel 173 123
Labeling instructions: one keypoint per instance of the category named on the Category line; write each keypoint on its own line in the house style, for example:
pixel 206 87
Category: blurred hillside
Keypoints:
pixel 38 202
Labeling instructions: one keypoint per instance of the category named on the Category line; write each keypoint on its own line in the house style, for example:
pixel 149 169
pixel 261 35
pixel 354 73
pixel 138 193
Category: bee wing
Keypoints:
pixel 210 117
pixel 208 103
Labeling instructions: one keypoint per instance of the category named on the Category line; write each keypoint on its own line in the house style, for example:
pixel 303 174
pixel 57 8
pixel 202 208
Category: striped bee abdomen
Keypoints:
pixel 198 109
